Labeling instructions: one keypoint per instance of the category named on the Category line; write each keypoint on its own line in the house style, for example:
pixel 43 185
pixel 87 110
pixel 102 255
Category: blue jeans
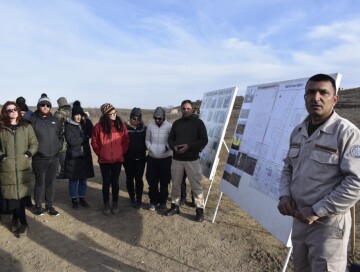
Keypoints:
pixel 77 187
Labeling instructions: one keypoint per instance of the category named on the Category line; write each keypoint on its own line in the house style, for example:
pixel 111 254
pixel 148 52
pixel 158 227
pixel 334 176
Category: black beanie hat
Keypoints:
pixel 76 103
pixel 136 112
pixel 77 109
pixel 21 102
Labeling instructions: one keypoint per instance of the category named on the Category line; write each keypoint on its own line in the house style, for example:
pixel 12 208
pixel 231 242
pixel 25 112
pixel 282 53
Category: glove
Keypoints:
pixel 166 148
pixel 28 154
pixel 2 156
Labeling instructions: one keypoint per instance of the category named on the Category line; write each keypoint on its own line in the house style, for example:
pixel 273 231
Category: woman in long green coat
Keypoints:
pixel 18 144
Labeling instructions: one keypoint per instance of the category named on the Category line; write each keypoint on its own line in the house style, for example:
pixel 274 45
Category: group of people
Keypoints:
pixel 38 147
pixel 320 180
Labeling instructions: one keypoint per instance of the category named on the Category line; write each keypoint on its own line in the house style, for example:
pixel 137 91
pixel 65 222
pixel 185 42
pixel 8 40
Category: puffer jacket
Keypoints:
pixel 157 140
pixel 48 133
pixel 82 167
pixel 110 149
pixel 16 175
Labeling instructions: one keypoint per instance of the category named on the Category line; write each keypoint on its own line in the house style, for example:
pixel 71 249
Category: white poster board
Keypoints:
pixel 215 112
pixel 260 143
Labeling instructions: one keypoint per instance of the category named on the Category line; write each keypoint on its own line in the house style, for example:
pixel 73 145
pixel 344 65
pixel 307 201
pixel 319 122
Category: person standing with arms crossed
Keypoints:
pixel 188 136
pixel 320 180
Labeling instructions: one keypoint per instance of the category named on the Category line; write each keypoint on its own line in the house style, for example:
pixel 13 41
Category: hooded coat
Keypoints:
pixel 81 167
pixel 16 175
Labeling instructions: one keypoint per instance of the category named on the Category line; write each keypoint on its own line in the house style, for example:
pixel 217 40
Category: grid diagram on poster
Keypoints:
pixel 215 112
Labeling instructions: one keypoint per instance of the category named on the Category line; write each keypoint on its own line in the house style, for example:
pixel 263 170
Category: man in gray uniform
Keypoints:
pixel 321 180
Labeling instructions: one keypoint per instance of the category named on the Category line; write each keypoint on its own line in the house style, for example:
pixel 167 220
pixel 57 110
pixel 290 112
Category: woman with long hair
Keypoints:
pixel 18 144
pixel 110 141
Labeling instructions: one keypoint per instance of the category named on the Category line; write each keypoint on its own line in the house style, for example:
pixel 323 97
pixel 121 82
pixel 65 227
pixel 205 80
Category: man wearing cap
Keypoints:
pixel 62 114
pixel 45 162
pixel 320 180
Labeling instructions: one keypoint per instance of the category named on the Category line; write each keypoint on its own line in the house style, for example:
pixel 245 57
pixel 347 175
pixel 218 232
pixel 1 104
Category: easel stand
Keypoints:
pixel 212 179
pixel 221 194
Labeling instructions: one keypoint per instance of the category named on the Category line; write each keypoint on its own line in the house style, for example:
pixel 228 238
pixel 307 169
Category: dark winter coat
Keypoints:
pixel 81 167
pixel 48 133
pixel 16 175
pixel 137 147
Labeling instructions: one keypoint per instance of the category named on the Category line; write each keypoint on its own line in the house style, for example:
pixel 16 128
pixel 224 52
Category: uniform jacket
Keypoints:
pixel 156 140
pixel 16 175
pixel 191 131
pixel 48 133
pixel 323 171
pixel 110 149
pixel 137 147
pixel 82 167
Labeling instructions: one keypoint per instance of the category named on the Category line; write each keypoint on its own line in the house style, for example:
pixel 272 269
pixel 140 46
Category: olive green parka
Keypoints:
pixel 16 175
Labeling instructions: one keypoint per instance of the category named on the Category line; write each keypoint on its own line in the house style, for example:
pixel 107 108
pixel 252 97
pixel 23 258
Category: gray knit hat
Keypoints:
pixel 62 101
pixel 136 112
pixel 159 112
pixel 44 100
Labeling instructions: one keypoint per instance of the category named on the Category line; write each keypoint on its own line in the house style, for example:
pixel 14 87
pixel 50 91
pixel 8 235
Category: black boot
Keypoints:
pixel 173 210
pixel 199 215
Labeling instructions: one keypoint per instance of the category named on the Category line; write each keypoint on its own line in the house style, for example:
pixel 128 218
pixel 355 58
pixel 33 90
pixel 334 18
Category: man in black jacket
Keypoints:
pixel 188 136
pixel 46 161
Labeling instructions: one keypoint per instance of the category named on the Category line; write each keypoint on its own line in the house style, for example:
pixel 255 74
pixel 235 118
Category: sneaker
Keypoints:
pixel 83 203
pixel 39 211
pixel 15 225
pixel 106 209
pixel 51 211
pixel 23 230
pixel 162 207
pixel 152 207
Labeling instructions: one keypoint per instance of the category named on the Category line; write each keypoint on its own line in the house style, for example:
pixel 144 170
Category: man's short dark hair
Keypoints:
pixel 323 77
pixel 187 101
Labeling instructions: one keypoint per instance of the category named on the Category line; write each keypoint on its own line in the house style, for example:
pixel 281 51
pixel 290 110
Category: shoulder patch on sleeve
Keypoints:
pixel 355 151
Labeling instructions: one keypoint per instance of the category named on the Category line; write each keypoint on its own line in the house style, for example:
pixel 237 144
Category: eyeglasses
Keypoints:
pixel 45 105
pixel 11 110
pixel 135 118
pixel 158 119
pixel 113 113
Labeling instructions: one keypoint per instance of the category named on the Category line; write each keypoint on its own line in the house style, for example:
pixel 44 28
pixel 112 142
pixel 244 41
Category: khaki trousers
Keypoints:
pixel 194 174
pixel 321 246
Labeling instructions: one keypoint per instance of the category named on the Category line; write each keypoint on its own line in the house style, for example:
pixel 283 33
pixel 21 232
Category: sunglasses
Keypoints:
pixel 11 110
pixel 135 118
pixel 158 118
pixel 45 105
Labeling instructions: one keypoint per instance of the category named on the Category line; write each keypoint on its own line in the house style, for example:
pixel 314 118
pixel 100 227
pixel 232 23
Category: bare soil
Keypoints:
pixel 144 240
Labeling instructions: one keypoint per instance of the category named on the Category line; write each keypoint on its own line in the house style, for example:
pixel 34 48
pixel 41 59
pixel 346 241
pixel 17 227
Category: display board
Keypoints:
pixel 215 112
pixel 260 143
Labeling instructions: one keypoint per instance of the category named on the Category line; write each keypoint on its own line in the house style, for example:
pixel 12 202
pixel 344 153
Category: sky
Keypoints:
pixel 149 53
